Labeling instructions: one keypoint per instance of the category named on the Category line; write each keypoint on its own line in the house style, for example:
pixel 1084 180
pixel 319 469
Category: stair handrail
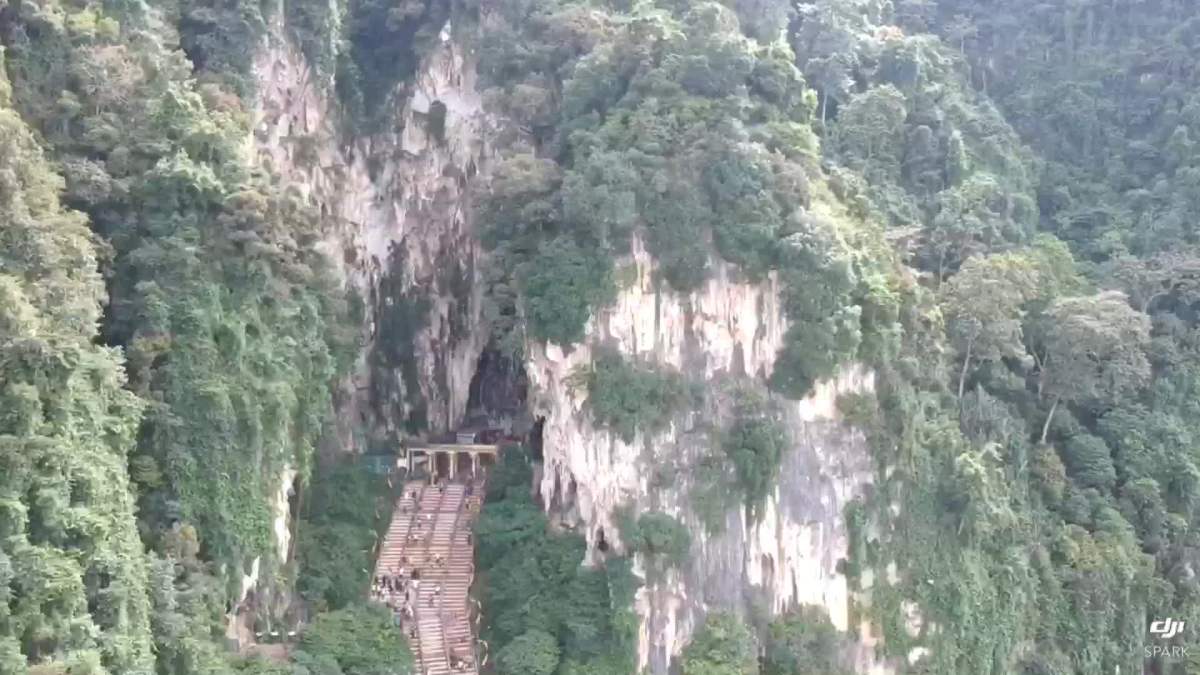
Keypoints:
pixel 449 559
pixel 478 491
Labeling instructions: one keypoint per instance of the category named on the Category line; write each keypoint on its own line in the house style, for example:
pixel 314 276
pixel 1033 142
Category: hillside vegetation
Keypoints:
pixel 992 205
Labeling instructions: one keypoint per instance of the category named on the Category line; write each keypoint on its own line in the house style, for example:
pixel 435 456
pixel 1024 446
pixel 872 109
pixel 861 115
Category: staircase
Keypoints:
pixel 439 530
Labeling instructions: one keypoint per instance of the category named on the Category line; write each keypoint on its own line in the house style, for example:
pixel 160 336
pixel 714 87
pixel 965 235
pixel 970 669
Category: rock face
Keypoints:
pixel 728 328
pixel 396 205
pixel 402 238
pixel 399 206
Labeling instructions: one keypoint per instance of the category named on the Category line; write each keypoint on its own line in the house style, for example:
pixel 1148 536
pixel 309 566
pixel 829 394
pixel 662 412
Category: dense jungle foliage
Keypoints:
pixel 993 205
pixel 544 612
pixel 989 203
pixel 169 340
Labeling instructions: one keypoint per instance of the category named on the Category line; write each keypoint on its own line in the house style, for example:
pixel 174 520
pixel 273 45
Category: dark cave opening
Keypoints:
pixel 535 438
pixel 437 121
pixel 496 401
pixel 295 499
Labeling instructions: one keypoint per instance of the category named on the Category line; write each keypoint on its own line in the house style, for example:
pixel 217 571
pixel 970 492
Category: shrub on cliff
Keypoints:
pixel 804 642
pixel 562 284
pixel 658 536
pixel 722 646
pixel 627 396
pixel 755 442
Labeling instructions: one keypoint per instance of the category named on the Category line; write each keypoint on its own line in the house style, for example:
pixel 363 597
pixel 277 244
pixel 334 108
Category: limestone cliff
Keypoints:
pixel 401 232
pixel 396 208
pixel 397 204
pixel 790 555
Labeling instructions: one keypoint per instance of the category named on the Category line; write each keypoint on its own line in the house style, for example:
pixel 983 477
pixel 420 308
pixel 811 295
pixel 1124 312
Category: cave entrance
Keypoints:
pixel 535 438
pixel 436 123
pixel 496 402
pixel 295 500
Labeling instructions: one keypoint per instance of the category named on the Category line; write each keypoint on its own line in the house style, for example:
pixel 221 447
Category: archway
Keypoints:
pixel 440 466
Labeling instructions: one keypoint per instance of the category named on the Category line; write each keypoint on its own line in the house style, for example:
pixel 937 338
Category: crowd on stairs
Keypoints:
pixel 424 573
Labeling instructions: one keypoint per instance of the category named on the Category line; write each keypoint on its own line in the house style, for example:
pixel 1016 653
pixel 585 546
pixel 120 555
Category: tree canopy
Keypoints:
pixel 988 205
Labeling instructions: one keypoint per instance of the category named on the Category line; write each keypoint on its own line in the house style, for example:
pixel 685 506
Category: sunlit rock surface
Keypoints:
pixel 398 207
pixel 729 327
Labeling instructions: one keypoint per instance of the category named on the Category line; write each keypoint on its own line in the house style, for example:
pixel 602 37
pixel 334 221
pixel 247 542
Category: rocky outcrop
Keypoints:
pixel 729 328
pixel 397 205
pixel 396 208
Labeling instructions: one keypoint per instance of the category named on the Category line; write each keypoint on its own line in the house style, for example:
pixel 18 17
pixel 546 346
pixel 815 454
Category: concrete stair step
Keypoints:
pixel 441 522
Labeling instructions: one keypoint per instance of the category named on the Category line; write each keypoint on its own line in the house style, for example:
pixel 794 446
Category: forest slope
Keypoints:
pixel 990 206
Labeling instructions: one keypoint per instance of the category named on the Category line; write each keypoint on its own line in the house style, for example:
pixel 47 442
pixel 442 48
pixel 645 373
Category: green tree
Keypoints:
pixel 722 646
pixel 1089 462
pixel 1093 351
pixel 73 570
pixel 534 652
pixel 628 396
pixel 755 443
pixel 982 496
pixel 870 130
pixel 360 639
pixel 804 642
pixel 534 585
pixel 983 304
pixel 658 536
pixel 1169 274
pixel 562 285
pixel 973 216
pixel 344 509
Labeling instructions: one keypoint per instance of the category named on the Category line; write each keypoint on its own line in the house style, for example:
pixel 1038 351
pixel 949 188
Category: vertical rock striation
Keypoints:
pixel 397 213
pixel 398 207
pixel 790 555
